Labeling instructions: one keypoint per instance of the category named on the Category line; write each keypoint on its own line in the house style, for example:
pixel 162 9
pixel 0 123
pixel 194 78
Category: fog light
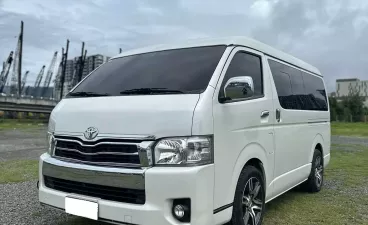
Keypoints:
pixel 181 210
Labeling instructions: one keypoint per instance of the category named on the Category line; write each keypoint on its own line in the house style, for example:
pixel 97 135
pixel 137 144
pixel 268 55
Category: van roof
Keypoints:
pixel 236 40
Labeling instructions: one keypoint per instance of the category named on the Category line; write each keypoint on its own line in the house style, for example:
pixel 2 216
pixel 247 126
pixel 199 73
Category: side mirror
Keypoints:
pixel 239 87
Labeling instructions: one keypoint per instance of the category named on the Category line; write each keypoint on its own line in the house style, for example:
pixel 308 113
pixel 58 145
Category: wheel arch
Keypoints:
pixel 318 143
pixel 255 155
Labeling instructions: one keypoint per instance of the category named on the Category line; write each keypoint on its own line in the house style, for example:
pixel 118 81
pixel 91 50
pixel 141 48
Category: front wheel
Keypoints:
pixel 249 200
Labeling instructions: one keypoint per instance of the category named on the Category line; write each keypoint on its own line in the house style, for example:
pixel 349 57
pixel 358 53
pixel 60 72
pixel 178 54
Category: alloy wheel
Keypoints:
pixel 319 171
pixel 252 202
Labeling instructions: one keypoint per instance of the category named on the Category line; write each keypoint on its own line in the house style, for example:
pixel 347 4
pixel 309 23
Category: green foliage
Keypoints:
pixel 349 109
pixel 19 115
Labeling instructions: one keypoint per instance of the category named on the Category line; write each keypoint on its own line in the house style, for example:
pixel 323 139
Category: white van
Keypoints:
pixel 203 132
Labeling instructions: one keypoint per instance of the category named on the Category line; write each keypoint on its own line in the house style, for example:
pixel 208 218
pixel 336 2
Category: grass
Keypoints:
pixel 349 129
pixel 18 171
pixel 343 199
pixel 20 124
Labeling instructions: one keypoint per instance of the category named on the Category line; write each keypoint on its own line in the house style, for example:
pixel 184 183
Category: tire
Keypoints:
pixel 249 200
pixel 315 179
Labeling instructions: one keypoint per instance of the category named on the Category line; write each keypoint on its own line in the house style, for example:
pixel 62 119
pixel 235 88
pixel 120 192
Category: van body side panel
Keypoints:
pixel 296 136
pixel 240 135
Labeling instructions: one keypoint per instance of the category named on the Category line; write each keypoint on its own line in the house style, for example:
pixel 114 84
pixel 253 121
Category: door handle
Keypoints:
pixel 265 114
pixel 278 115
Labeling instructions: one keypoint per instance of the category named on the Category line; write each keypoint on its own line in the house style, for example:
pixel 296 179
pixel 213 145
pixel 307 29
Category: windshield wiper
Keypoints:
pixel 86 94
pixel 149 91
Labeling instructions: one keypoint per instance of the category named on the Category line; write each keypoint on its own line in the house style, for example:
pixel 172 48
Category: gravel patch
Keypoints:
pixel 332 184
pixel 345 140
pixel 19 205
pixel 22 144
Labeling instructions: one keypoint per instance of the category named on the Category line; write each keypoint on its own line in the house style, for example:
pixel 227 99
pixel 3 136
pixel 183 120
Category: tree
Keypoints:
pixel 355 104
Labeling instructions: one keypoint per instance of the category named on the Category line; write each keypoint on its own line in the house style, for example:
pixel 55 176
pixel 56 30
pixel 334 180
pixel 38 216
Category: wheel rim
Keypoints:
pixel 252 202
pixel 319 171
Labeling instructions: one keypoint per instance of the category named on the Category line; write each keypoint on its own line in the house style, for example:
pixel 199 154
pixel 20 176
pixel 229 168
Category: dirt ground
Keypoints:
pixel 22 143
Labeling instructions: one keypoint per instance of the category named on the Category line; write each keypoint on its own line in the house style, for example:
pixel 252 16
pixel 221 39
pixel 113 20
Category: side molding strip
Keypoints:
pixel 222 208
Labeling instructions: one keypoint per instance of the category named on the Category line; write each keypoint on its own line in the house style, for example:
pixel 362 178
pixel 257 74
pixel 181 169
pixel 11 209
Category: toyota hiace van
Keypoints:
pixel 202 132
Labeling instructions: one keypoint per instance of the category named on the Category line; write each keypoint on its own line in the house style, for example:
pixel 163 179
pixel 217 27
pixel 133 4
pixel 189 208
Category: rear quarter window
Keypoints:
pixel 297 89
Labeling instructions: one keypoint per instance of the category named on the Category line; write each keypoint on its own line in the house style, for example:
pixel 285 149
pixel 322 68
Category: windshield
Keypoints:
pixel 178 71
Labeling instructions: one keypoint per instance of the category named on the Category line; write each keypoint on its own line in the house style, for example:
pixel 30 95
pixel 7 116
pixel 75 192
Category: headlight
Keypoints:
pixel 50 140
pixel 196 150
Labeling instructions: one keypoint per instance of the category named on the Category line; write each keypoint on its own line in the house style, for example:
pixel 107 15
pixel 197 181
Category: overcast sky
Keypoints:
pixel 330 34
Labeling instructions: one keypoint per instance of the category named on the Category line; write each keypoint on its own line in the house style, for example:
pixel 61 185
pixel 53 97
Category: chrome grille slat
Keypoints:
pixel 99 143
pixel 97 153
pixel 110 153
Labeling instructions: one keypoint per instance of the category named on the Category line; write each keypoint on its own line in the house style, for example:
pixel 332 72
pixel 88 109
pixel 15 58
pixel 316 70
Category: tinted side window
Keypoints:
pixel 245 64
pixel 316 98
pixel 298 90
pixel 282 80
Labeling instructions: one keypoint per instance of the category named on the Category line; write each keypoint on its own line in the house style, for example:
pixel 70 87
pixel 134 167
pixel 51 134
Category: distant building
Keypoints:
pixel 346 87
pixel 92 62
pixel 72 68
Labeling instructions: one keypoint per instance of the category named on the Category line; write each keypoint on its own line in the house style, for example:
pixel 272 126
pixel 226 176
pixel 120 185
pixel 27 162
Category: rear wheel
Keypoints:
pixel 249 200
pixel 315 179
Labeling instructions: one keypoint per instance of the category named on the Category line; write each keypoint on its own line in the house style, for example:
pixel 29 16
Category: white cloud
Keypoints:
pixel 261 8
pixel 146 9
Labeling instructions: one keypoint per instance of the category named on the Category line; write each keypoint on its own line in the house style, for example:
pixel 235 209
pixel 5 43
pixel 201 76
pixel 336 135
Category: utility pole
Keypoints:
pixel 62 80
pixel 81 65
pixel 93 62
pixel 84 61
pixel 20 60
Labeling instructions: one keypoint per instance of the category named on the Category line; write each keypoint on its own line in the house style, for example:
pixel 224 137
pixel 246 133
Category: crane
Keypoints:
pixel 14 78
pixel 49 74
pixel 38 80
pixel 15 84
pixel 57 80
pixel 24 81
pixel 4 74
pixel 2 71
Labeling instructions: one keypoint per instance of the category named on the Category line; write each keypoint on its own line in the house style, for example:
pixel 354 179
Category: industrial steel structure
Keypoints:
pixel 5 71
pixel 49 74
pixel 24 81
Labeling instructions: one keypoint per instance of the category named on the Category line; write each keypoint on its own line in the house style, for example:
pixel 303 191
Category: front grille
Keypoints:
pixel 99 191
pixel 109 152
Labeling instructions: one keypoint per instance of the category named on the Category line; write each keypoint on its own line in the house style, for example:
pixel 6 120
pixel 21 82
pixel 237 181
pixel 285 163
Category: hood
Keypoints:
pixel 158 115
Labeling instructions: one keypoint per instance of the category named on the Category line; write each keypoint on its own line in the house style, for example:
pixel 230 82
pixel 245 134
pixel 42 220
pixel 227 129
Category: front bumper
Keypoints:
pixel 162 185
